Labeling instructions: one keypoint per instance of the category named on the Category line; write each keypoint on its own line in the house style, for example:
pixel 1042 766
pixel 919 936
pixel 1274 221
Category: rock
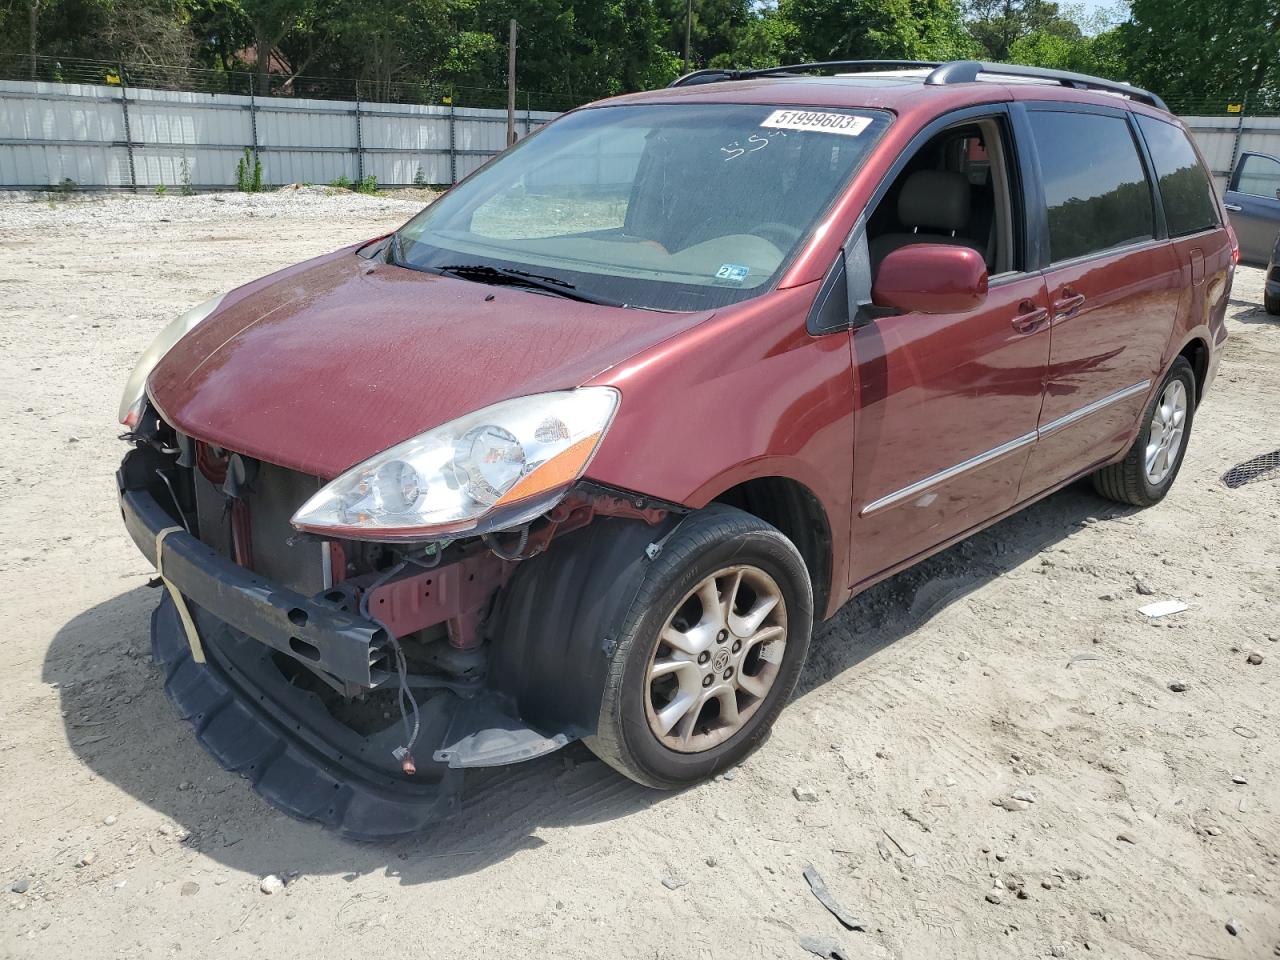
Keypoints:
pixel 21 885
pixel 87 859
pixel 674 883
pixel 1014 804
pixel 1239 779
pixel 712 862
pixel 993 897
pixel 804 793
pixel 1126 838
pixel 271 884
pixel 1001 856
pixel 164 829
pixel 109 820
pixel 1213 831
pixel 731 773
pixel 1144 589
pixel 963 655
pixel 1025 795
pixel 1178 686
pixel 189 889
pixel 1254 658
pixel 1058 950
pixel 1233 927
pixel 185 785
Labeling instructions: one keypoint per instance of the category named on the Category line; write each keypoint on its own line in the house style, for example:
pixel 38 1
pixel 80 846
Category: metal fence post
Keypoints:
pixel 1235 145
pixel 359 140
pixel 253 118
pixel 453 140
pixel 128 136
pixel 527 118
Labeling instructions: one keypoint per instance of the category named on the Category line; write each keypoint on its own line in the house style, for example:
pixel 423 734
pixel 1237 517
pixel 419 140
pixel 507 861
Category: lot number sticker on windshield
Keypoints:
pixel 841 123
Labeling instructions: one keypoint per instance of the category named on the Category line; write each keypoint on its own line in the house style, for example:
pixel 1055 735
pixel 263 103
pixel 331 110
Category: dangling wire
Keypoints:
pixel 402 753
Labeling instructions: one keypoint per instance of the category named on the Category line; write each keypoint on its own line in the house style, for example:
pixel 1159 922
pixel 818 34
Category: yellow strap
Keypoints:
pixel 179 601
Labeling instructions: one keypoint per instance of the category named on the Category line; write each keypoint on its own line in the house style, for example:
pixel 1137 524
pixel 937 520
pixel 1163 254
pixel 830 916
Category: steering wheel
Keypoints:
pixel 781 235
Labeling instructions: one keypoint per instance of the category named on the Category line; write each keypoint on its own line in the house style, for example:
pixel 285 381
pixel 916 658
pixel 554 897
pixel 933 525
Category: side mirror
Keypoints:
pixel 931 278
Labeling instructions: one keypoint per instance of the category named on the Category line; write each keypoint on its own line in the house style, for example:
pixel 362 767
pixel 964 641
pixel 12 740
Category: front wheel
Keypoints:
pixel 709 652
pixel 1148 470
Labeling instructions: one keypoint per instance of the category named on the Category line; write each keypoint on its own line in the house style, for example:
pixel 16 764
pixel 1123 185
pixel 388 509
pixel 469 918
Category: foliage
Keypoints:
pixel 572 51
pixel 249 173
pixel 186 179
pixel 368 185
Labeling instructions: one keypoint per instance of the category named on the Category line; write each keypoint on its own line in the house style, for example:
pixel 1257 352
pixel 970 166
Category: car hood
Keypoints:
pixel 327 363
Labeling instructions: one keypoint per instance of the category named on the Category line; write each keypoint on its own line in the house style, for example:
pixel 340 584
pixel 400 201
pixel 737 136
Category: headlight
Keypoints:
pixel 135 389
pixel 501 466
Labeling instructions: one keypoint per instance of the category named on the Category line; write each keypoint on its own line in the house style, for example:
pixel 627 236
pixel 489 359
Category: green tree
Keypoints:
pixel 876 29
pixel 1197 49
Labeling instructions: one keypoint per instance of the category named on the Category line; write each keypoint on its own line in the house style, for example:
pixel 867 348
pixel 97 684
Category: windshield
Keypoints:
pixel 667 206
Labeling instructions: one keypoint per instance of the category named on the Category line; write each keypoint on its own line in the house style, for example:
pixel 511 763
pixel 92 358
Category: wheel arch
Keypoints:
pixel 796 511
pixel 1196 351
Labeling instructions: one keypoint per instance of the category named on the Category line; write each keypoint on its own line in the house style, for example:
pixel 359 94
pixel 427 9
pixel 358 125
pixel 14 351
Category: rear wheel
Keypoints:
pixel 1148 470
pixel 1271 303
pixel 709 652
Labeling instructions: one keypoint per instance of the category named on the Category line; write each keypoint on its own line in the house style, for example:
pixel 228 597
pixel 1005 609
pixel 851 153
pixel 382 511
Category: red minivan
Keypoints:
pixel 584 449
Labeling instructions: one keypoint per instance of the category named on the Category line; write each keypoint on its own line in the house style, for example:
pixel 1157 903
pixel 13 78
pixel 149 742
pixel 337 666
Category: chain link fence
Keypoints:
pixel 246 84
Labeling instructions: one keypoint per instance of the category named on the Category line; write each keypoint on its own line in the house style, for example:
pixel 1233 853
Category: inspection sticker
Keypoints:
pixel 841 123
pixel 732 271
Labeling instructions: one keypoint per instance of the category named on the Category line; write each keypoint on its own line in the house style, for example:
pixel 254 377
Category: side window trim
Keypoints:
pixel 1153 179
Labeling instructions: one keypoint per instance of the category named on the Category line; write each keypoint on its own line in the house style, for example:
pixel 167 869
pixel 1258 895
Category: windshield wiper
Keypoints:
pixel 484 273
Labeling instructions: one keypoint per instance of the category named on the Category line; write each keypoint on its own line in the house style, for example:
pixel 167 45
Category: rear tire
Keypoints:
pixel 1146 473
pixel 750 567
pixel 1271 303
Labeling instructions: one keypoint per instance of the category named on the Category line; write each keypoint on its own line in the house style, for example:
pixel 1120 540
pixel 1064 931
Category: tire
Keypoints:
pixel 1128 481
pixel 1271 303
pixel 717 538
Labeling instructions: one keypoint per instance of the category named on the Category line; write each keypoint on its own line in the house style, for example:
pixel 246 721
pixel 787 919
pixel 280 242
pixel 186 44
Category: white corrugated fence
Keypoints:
pixel 114 136
pixel 102 136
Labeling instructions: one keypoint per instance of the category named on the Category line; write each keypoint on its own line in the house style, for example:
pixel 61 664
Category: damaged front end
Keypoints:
pixel 353 681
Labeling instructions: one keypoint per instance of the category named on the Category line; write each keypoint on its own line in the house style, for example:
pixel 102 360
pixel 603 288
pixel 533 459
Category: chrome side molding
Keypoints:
pixel 942 476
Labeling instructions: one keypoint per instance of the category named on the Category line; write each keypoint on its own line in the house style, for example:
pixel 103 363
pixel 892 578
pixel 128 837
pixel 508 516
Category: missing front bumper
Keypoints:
pixel 254 710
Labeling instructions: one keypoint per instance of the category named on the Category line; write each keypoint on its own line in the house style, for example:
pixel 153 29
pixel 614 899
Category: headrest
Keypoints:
pixel 935 198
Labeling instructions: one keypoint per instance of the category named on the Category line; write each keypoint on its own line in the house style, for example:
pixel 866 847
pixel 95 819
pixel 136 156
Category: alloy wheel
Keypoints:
pixel 716 659
pixel 1164 439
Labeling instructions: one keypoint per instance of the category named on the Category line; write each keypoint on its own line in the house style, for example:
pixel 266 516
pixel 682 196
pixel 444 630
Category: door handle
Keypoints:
pixel 1233 207
pixel 1029 317
pixel 1068 304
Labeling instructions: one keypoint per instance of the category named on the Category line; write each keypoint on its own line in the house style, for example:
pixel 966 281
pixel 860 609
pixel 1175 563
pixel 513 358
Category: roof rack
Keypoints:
pixel 715 75
pixel 967 71
pixel 941 74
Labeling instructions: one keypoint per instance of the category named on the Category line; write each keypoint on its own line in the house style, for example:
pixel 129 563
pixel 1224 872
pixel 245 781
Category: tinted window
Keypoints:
pixel 1259 176
pixel 1184 185
pixel 1094 184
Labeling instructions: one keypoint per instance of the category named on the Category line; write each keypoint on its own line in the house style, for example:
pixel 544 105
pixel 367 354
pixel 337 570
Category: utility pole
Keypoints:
pixel 511 85
pixel 688 29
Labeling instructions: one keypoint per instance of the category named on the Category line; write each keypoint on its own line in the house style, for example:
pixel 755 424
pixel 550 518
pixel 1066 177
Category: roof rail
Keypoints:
pixel 716 75
pixel 967 71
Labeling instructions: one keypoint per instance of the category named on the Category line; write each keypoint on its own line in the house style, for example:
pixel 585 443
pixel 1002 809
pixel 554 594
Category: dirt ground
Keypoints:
pixel 1015 662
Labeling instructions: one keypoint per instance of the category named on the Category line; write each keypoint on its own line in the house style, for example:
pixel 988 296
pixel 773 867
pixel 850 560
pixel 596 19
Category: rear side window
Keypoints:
pixel 1185 187
pixel 1094 184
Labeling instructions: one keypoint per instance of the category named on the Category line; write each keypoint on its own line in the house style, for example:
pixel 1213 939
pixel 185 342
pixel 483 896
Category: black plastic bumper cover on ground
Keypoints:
pixel 258 725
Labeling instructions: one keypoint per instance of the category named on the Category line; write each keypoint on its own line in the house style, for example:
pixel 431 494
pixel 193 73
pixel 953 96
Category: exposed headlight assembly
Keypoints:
pixel 498 467
pixel 135 389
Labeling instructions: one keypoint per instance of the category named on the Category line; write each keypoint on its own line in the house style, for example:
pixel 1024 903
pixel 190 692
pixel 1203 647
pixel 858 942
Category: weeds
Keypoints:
pixel 369 185
pixel 186 179
pixel 249 173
